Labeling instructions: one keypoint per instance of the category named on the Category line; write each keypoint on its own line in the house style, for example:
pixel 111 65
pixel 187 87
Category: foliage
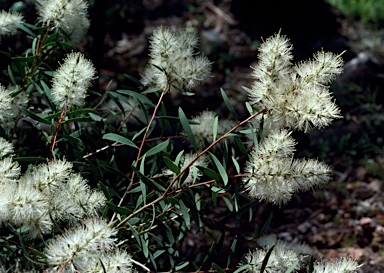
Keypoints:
pixel 369 11
pixel 106 182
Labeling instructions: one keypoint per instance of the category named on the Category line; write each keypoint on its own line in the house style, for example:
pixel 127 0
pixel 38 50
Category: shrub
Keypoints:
pixel 108 182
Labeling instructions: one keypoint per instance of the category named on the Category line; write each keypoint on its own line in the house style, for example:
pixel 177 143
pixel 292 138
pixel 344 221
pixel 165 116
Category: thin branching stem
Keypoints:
pixel 166 192
pixel 141 149
pixel 54 137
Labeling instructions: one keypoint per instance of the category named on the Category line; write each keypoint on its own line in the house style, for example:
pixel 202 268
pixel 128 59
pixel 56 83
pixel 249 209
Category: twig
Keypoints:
pixel 54 137
pixel 141 149
pixel 166 193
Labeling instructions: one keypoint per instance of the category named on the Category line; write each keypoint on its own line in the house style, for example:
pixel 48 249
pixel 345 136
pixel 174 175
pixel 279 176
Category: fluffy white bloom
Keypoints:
pixel 273 175
pixel 74 200
pixel 47 178
pixel 297 96
pixel 284 255
pixel 93 237
pixel 6 148
pixel 6 112
pixel 173 61
pixel 343 265
pixel 69 16
pixel 9 170
pixel 7 19
pixel 194 173
pixel 18 101
pixel 72 80
pixel 30 208
pixel 6 196
pixel 203 132
pixel 117 261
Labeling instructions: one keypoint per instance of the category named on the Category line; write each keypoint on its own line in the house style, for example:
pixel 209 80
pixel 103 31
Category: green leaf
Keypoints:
pixel 149 182
pixel 119 210
pixel 210 173
pixel 151 90
pixel 10 74
pixel 241 268
pixel 171 165
pixel 136 81
pixel 228 203
pixel 218 268
pixel 232 251
pixel 137 96
pixel 266 225
pixel 310 265
pixel 157 149
pixel 215 124
pixel 30 159
pixel 221 169
pixel 217 190
pixel 105 190
pixel 144 246
pixel 266 258
pixel 25 59
pixel 95 117
pixel 181 266
pixel 119 139
pixel 24 28
pixel 292 267
pixel 249 108
pixel 228 103
pixel 187 128
pixel 237 166
pixel 247 89
pixel 35 117
pixel 184 211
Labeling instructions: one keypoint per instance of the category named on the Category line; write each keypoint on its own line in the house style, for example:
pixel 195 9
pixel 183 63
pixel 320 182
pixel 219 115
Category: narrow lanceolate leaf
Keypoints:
pixel 35 117
pixel 119 139
pixel 187 128
pixel 186 217
pixel 265 261
pixel 119 210
pixel 157 149
pixel 215 124
pixel 228 103
pixel 221 169
pixel 210 173
pixel 149 182
pixel 171 165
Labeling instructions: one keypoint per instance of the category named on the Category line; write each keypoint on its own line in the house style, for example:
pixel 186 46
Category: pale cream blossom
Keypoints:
pixel 174 63
pixel 296 96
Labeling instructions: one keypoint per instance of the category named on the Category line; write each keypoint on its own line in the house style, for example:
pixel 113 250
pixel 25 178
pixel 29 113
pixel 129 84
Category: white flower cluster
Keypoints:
pixel 6 113
pixel 194 173
pixel 283 255
pixel 203 131
pixel 68 16
pixel 87 248
pixel 11 102
pixel 46 193
pixel 7 25
pixel 173 60
pixel 273 174
pixel 72 80
pixel 296 96
pixel 342 265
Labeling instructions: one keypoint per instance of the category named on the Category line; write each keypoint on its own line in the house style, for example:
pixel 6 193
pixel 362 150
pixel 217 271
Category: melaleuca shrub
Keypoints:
pixel 112 182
